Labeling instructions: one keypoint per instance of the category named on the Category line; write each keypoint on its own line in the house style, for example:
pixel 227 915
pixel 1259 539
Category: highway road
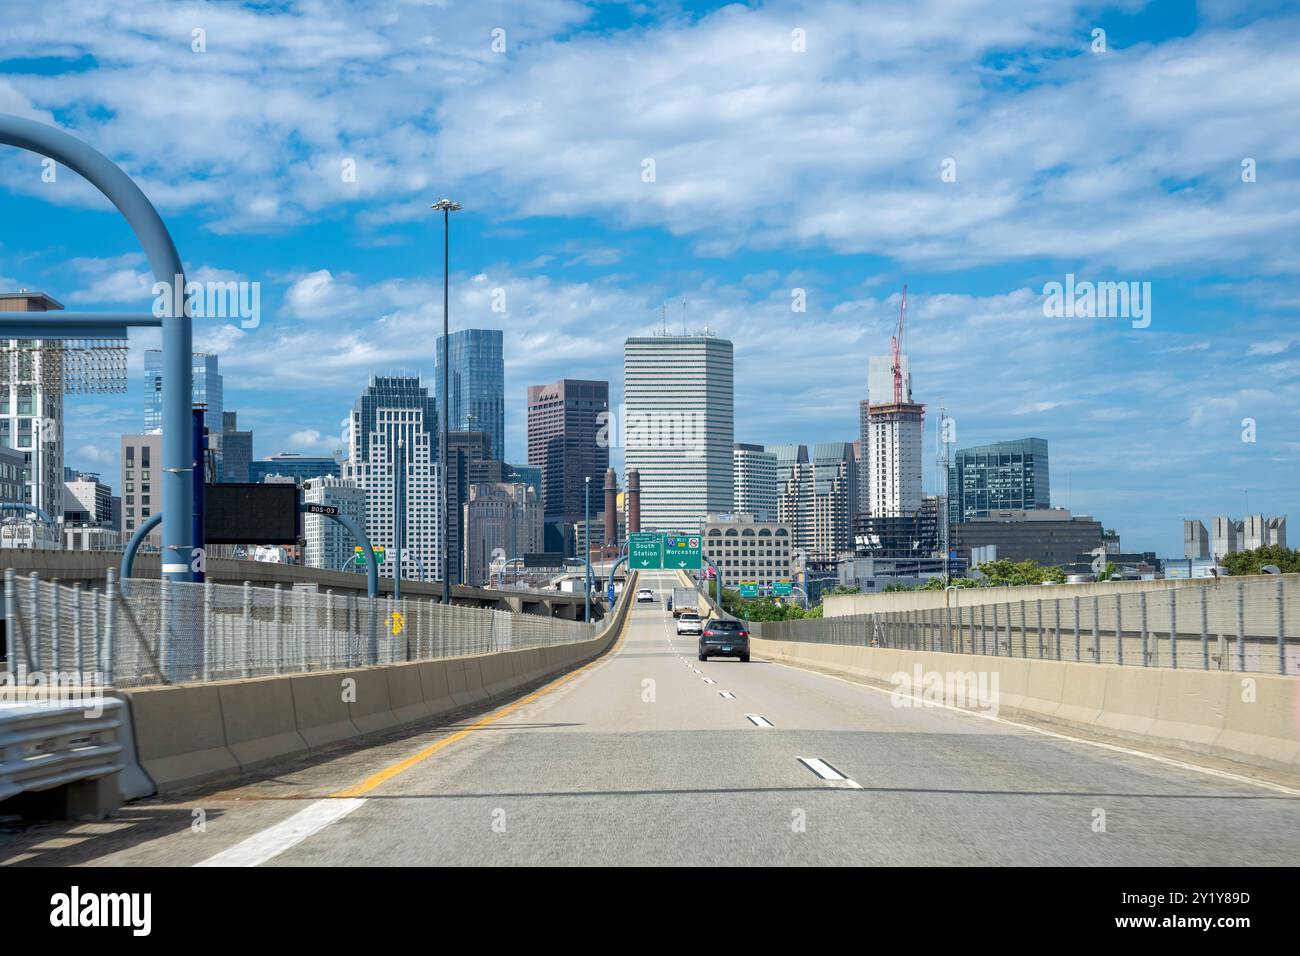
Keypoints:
pixel 649 756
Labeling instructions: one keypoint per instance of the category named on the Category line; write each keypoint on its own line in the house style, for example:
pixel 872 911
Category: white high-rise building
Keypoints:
pixel 329 544
pixel 893 442
pixel 678 426
pixel 393 435
pixel 31 410
pixel 755 481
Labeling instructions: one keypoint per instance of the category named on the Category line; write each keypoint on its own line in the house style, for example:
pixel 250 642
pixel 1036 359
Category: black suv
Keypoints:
pixel 724 639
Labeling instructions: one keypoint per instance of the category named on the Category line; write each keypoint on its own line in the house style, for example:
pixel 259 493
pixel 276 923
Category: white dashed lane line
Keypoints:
pixel 759 721
pixel 829 774
pixel 726 694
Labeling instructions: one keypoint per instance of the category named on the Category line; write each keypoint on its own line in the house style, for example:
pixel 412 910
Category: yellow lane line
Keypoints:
pixel 391 771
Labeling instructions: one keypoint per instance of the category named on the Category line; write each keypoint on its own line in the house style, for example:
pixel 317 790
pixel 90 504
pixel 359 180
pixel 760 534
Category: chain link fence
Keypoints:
pixel 1247 626
pixel 156 631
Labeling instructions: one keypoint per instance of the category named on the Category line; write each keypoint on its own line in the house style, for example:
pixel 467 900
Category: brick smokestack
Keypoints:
pixel 611 506
pixel 633 501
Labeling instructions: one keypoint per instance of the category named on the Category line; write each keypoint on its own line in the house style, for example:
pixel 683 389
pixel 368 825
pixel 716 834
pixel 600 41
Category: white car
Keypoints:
pixel 689 623
pixel 645 594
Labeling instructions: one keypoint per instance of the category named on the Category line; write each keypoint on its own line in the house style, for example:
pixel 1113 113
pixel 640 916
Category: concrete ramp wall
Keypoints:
pixel 188 733
pixel 1249 718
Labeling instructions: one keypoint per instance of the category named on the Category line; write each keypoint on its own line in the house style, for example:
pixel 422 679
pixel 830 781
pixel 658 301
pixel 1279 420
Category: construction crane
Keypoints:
pixel 896 349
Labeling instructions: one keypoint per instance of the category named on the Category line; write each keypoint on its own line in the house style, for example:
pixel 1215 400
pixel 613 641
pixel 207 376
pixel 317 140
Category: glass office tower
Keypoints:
pixel 1008 475
pixel 478 385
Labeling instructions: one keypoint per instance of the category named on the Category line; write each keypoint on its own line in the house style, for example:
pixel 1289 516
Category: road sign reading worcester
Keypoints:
pixel 645 551
pixel 748 589
pixel 682 552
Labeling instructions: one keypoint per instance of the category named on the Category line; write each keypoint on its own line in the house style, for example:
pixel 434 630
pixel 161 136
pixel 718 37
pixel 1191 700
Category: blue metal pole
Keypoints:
pixel 132 546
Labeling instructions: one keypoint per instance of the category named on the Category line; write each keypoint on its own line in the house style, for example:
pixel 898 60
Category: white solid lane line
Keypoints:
pixel 759 721
pixel 828 773
pixel 273 841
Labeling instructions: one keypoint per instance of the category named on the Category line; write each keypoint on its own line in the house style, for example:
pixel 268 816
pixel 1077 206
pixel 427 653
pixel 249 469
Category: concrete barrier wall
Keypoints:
pixel 1252 719
pixel 188 733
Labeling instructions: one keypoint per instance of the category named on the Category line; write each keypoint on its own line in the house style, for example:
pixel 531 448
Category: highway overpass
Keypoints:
pixel 643 754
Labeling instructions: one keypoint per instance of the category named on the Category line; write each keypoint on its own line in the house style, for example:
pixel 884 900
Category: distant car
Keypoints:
pixel 645 594
pixel 721 638
pixel 689 623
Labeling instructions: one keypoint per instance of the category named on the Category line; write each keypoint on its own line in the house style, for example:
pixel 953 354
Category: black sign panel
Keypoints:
pixel 238 513
pixel 550 560
pixel 331 510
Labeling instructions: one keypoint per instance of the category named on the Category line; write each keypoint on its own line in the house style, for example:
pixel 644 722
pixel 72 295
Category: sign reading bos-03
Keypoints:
pixel 682 552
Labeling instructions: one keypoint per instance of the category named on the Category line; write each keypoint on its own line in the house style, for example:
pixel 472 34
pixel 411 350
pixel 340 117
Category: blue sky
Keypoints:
pixel 776 169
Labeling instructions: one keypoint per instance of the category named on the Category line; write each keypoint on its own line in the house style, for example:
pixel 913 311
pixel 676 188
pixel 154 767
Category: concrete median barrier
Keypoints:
pixel 370 710
pixel 180 736
pixel 498 673
pixel 322 711
pixel 465 681
pixel 405 693
pixel 259 721
pixel 434 687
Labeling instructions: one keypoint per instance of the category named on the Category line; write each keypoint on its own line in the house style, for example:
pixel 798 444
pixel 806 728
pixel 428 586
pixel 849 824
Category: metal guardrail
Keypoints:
pixel 1224 625
pixel 44 744
pixel 169 632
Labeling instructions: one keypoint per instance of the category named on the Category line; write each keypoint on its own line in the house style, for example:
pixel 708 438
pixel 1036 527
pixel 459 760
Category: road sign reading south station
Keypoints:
pixel 645 551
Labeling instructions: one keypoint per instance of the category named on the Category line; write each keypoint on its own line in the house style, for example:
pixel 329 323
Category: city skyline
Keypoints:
pixel 351 273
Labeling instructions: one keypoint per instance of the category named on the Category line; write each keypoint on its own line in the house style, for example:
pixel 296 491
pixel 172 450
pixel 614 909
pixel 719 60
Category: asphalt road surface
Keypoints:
pixel 650 756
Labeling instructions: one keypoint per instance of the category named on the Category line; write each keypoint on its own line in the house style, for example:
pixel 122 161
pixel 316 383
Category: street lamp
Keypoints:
pixel 399 517
pixel 447 207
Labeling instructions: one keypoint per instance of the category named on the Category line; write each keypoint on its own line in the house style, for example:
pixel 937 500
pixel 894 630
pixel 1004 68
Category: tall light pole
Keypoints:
pixel 448 207
pixel 586 544
pixel 399 517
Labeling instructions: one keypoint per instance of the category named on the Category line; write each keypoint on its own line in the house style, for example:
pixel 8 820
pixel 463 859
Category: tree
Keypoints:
pixel 1252 562
pixel 1006 573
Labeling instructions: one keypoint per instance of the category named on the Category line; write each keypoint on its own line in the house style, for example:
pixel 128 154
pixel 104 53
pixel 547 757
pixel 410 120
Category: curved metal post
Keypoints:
pixel 177 334
pixel 372 566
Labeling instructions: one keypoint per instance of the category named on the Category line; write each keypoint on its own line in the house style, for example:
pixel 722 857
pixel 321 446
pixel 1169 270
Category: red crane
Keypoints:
pixel 896 349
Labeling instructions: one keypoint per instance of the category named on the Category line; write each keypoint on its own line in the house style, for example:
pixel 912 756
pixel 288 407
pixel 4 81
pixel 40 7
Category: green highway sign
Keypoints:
pixel 645 551
pixel 682 552
pixel 782 588
pixel 359 555
pixel 749 589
